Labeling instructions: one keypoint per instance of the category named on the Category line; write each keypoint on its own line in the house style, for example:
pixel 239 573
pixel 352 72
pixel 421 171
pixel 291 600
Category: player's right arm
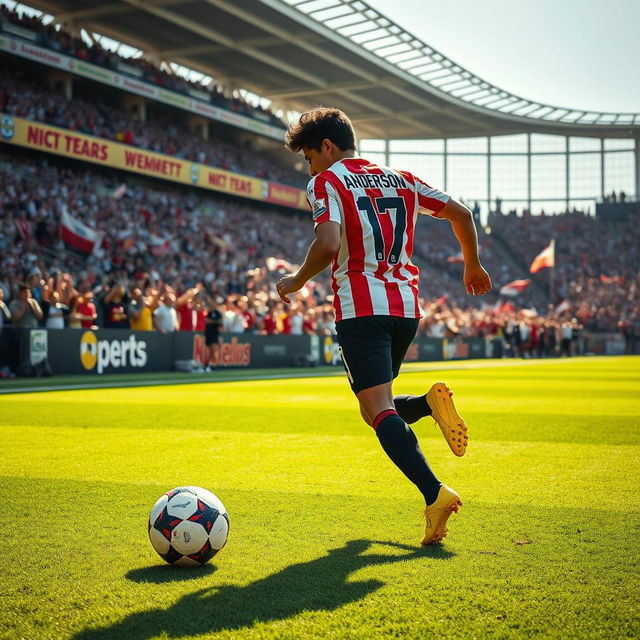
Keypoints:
pixel 476 279
pixel 327 220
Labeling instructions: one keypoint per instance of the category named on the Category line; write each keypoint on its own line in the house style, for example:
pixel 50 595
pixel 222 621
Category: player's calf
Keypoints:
pixel 401 445
pixel 412 408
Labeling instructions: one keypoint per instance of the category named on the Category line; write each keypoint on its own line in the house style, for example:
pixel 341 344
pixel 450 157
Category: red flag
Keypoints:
pixel 546 258
pixel 563 306
pixel 456 259
pixel 78 235
pixel 611 279
pixel 514 288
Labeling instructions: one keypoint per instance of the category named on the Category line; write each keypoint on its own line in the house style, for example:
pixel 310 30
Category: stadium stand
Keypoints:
pixel 597 269
pixel 53 37
pixel 25 98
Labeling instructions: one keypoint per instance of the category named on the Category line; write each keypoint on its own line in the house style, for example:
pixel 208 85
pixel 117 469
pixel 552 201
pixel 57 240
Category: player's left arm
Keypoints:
pixel 319 256
pixel 440 205
pixel 476 279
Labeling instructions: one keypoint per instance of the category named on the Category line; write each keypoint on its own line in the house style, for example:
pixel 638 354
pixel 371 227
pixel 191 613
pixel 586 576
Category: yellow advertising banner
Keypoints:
pixel 63 142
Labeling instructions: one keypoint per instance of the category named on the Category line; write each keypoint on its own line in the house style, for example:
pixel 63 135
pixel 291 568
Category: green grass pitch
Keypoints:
pixel 324 529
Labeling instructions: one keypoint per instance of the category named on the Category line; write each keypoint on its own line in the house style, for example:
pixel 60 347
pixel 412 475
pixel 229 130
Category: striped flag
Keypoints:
pixel 546 258
pixel 514 288
pixel 78 235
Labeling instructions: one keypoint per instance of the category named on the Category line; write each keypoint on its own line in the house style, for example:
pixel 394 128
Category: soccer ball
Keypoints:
pixel 188 526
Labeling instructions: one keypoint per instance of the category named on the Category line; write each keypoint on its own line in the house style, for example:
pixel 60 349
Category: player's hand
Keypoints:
pixel 476 280
pixel 288 284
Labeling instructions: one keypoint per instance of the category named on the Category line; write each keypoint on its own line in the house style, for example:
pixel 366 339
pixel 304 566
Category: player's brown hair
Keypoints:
pixel 314 126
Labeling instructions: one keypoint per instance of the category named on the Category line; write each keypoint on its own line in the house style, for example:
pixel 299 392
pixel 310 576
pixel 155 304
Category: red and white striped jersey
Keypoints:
pixel 377 208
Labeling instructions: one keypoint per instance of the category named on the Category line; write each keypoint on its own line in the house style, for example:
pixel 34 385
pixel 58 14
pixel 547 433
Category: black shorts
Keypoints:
pixel 373 348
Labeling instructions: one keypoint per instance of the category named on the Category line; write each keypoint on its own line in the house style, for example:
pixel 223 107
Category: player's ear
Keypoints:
pixel 327 145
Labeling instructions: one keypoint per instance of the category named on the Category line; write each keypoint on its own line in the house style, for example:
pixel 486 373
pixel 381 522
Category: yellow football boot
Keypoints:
pixel 437 514
pixel 444 413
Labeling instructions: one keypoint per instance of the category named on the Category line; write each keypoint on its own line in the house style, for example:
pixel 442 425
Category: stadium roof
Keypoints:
pixel 343 53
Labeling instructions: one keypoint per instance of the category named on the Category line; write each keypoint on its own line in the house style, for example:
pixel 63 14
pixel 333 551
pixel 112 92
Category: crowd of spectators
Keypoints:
pixel 57 300
pixel 24 97
pixel 175 234
pixel 52 36
pixel 597 266
pixel 170 259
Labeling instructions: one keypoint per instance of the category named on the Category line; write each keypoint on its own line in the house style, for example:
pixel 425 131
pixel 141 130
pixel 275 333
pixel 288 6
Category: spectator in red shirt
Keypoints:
pixel 269 324
pixel 85 311
pixel 309 322
pixel 185 308
pixel 200 312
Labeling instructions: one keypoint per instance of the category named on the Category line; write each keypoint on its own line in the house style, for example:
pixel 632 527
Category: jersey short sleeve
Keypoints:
pixel 430 200
pixel 323 201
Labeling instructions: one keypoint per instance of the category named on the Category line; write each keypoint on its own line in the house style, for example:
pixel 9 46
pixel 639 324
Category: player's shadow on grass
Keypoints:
pixel 318 585
pixel 168 573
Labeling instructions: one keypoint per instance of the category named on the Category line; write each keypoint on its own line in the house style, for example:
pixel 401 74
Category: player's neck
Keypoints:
pixel 345 155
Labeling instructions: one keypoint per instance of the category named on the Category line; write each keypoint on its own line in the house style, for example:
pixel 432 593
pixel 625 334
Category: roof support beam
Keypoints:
pixel 198 49
pixel 407 113
pixel 192 51
pixel 312 91
pixel 221 77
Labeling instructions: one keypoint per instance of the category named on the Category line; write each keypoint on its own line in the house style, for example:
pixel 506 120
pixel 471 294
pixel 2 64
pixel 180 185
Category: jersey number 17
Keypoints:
pixel 382 206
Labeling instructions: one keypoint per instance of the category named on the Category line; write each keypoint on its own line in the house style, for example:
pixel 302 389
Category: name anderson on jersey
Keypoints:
pixel 373 181
pixel 368 181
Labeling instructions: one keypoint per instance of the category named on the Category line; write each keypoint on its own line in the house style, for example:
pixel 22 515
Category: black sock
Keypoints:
pixel 412 408
pixel 401 445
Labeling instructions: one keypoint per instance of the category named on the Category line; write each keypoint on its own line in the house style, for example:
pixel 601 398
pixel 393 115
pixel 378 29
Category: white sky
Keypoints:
pixel 581 54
